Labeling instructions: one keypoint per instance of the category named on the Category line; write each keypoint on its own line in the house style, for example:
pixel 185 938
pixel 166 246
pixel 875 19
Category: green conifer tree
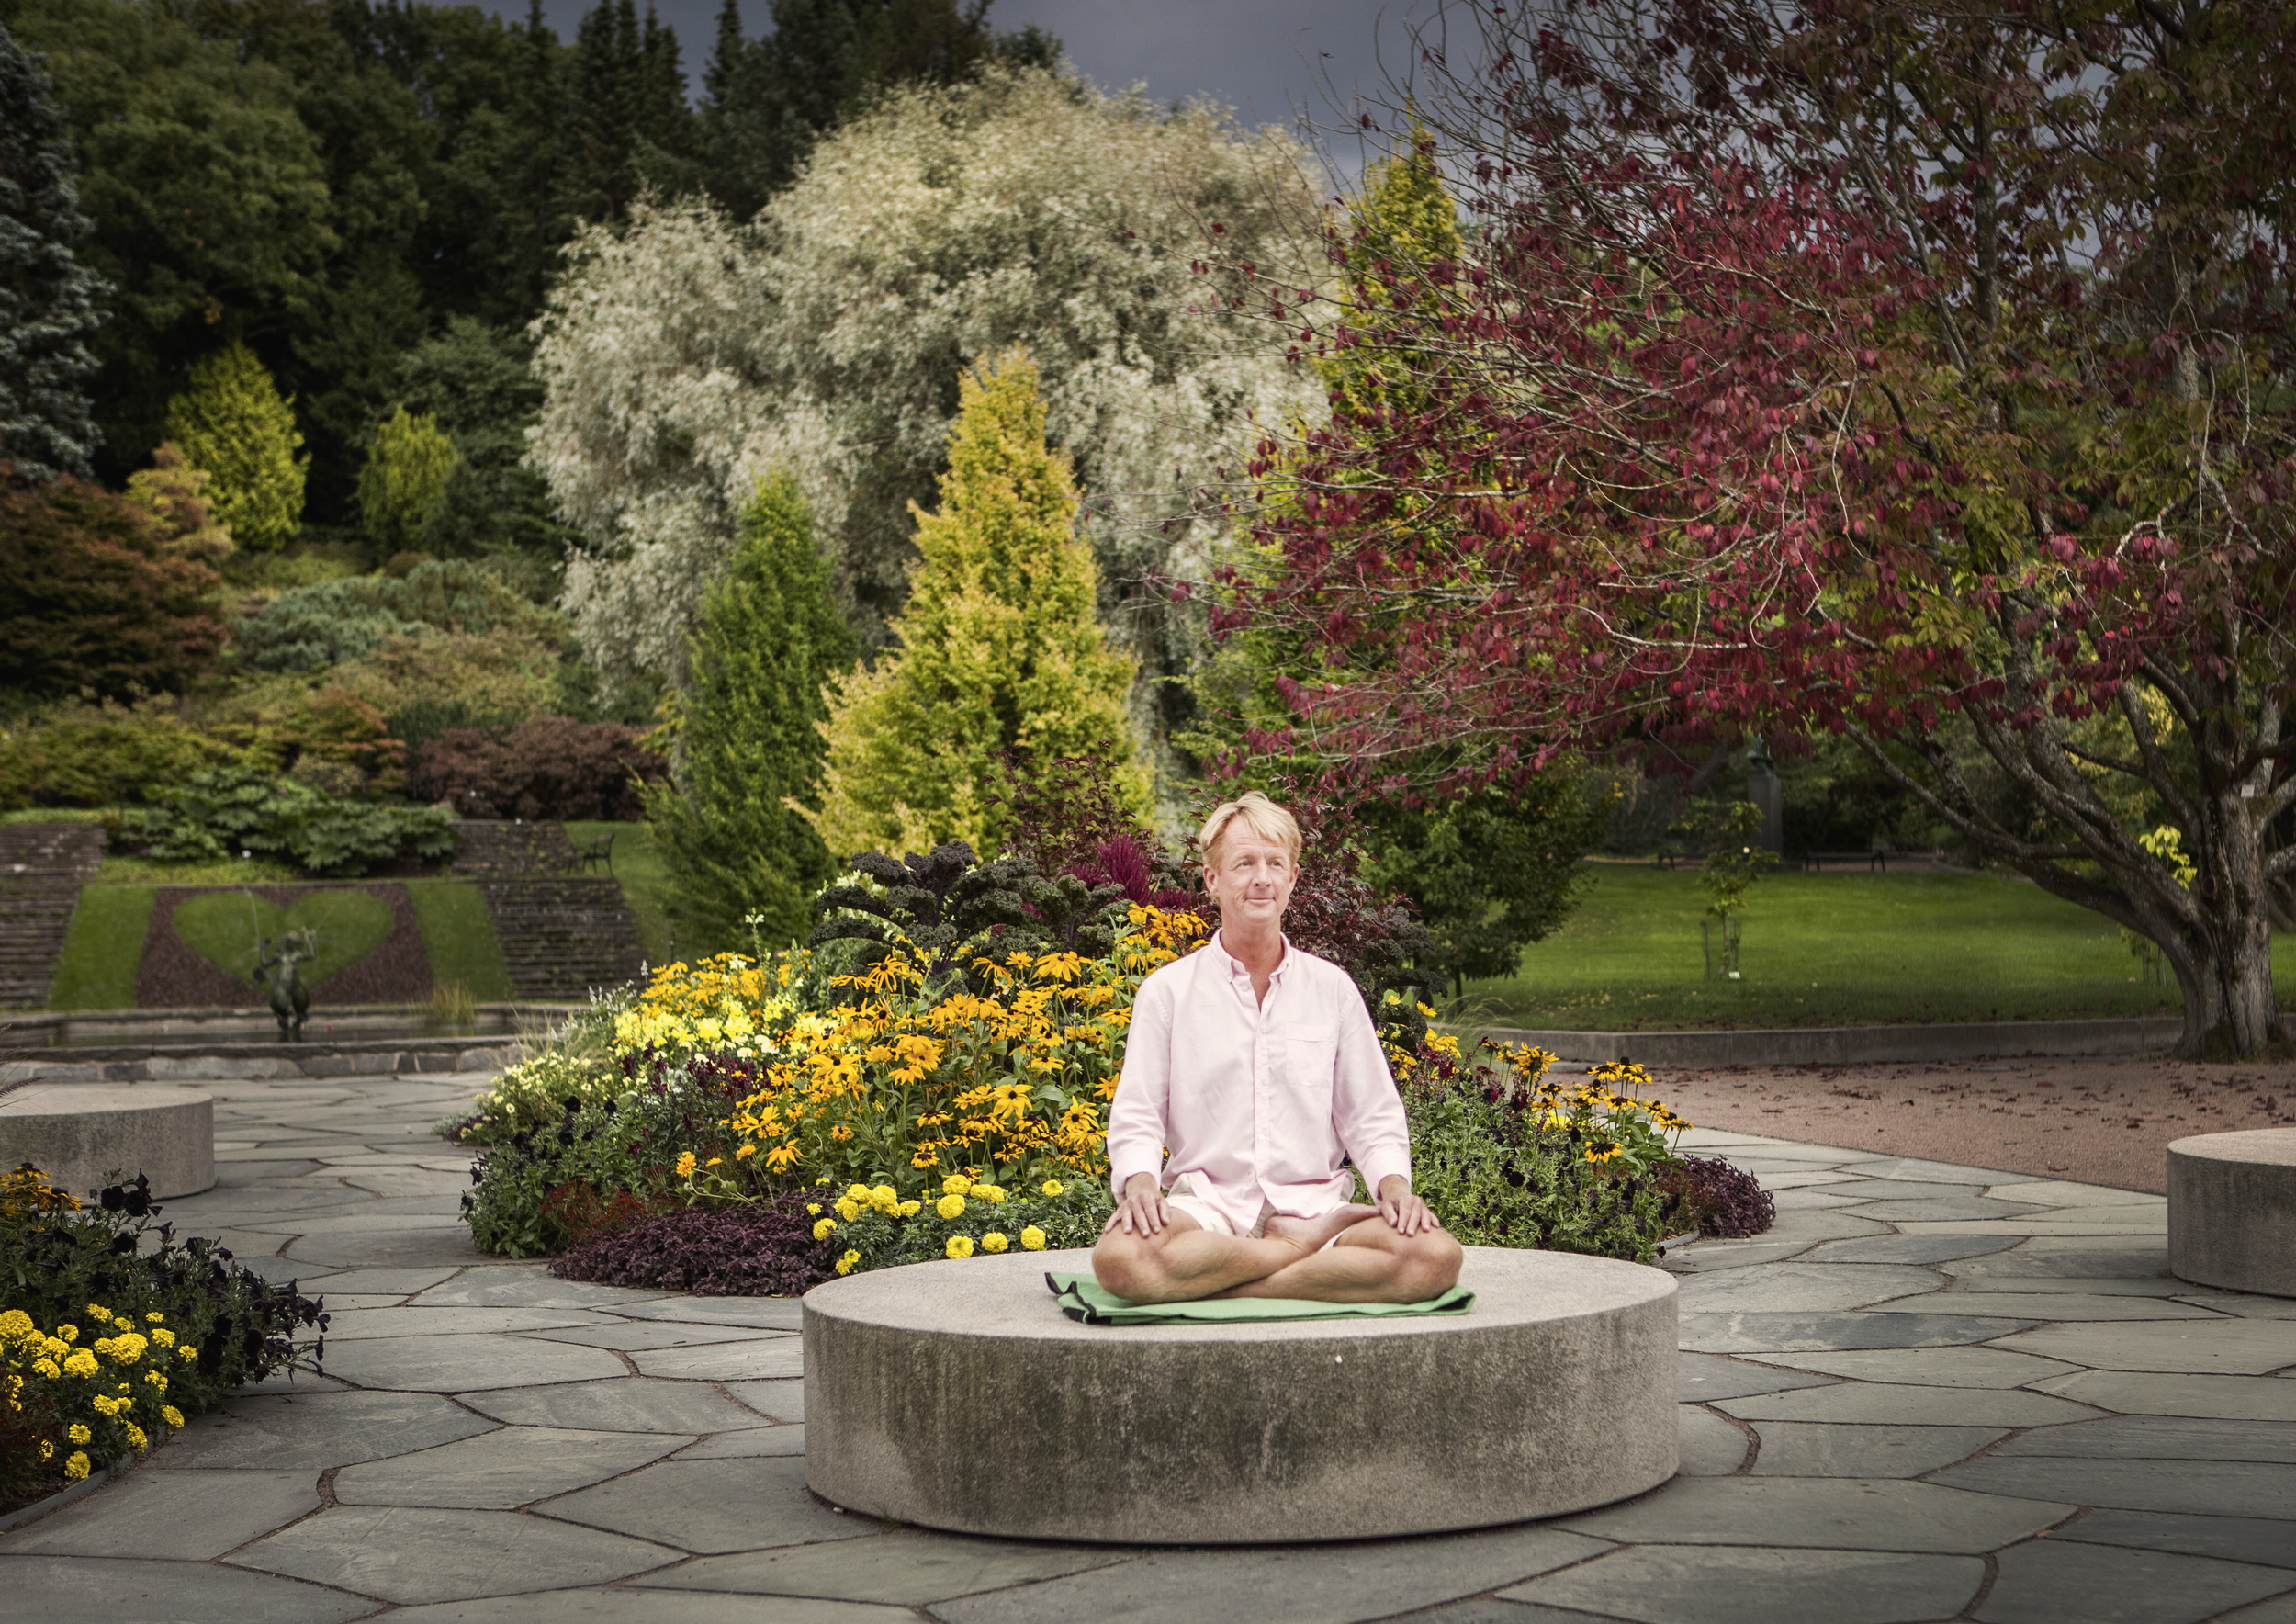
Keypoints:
pixel 749 746
pixel 406 472
pixel 47 295
pixel 233 425
pixel 1000 648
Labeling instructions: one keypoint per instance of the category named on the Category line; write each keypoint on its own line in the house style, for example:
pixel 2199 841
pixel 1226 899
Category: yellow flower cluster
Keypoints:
pixel 918 1081
pixel 63 1377
pixel 725 1003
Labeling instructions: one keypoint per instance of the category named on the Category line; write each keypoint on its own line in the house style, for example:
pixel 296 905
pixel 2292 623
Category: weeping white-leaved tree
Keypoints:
pixel 688 353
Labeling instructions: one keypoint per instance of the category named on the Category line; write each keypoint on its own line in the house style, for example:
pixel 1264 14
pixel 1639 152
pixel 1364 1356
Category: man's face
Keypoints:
pixel 1249 877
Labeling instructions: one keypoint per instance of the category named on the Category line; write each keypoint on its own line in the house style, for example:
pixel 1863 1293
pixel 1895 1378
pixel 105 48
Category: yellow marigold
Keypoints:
pixel 188 1354
pixel 164 1337
pixel 814 1208
pixel 78 1433
pixel 67 1332
pixel 825 1229
pixel 171 1415
pixel 99 1313
pixel 75 1466
pixel 911 1209
pixel 884 1198
pixel 1033 1238
pixel 80 1362
pixel 1055 1186
pixel 136 1439
pixel 849 1209
pixel 46 1367
pixel 993 1241
pixel 844 1264
pixel 104 1404
pixel 153 1379
pixel 961 1245
pixel 15 1326
pixel 955 1184
pixel 949 1206
pixel 154 1317
pixel 687 1162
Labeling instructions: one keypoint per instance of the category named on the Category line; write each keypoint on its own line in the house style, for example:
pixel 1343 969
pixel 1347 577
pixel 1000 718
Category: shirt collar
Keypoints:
pixel 1236 966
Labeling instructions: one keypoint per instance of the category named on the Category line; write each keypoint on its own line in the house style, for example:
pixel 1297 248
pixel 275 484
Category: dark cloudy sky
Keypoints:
pixel 1263 57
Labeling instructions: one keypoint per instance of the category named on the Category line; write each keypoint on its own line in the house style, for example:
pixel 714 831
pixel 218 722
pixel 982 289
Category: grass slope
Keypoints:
pixel 637 863
pixel 1830 950
pixel 460 938
pixel 102 948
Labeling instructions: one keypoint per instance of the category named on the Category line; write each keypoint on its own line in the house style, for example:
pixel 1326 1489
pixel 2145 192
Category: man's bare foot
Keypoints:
pixel 1310 1235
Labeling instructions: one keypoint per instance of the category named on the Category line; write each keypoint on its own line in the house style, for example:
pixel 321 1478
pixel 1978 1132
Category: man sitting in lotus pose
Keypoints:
pixel 1258 1065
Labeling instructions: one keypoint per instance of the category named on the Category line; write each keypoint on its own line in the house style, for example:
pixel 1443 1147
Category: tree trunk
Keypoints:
pixel 2225 966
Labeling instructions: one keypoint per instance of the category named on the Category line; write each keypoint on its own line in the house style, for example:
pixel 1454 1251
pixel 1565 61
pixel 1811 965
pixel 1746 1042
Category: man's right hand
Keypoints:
pixel 1142 1211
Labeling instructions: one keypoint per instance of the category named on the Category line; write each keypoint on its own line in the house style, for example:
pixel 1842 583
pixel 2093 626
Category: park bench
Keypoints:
pixel 1876 860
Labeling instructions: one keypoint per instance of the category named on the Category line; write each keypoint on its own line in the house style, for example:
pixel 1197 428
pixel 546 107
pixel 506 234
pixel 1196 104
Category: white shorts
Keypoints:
pixel 1182 1198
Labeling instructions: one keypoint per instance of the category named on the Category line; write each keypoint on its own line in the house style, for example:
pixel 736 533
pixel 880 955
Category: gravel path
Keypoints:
pixel 1933 1392
pixel 2099 1120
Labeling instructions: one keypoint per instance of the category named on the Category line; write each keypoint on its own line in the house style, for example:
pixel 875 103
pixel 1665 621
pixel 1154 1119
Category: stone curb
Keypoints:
pixel 218 1062
pixel 1852 1045
pixel 55 1502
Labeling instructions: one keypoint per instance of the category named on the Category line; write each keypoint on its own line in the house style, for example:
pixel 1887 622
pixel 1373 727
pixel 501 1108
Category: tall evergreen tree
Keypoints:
pixel 751 750
pixel 1000 647
pixel 48 298
pixel 406 473
pixel 605 96
pixel 233 425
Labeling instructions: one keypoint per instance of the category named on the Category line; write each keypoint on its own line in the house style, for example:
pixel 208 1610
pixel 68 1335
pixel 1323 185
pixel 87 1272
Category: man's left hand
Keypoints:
pixel 1405 1213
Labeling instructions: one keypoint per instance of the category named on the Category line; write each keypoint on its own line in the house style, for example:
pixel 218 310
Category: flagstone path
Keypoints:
pixel 1932 1392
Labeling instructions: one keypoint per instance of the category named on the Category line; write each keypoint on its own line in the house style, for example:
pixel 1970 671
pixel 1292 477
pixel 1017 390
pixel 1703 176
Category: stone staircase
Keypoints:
pixel 561 933
pixel 42 866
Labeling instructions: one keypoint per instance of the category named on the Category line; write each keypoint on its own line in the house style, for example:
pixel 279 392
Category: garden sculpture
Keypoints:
pixel 290 999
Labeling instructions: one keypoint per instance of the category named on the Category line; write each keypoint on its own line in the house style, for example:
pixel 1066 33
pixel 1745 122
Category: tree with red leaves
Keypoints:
pixel 1918 371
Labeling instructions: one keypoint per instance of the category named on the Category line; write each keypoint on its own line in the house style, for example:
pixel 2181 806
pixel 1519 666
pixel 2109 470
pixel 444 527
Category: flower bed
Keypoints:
pixel 112 1330
pixel 930 1087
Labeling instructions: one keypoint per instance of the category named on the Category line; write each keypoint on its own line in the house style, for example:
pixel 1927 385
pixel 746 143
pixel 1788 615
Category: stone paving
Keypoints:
pixel 1932 1392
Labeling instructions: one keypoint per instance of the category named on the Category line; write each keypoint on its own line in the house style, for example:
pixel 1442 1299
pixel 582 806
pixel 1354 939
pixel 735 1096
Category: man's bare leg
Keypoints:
pixel 1185 1262
pixel 1369 1263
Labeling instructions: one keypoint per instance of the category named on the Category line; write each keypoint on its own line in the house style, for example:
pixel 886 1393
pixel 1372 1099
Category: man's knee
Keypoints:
pixel 1126 1264
pixel 1429 1264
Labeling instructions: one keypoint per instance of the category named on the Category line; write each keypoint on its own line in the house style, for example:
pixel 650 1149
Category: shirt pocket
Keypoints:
pixel 1311 1068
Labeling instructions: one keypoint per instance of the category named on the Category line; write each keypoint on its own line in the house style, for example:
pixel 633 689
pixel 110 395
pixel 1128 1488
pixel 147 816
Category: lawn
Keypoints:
pixel 96 969
pixel 1829 950
pixel 637 863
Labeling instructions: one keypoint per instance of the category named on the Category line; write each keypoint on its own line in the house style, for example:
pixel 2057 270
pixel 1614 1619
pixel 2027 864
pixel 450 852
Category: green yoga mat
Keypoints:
pixel 1083 1298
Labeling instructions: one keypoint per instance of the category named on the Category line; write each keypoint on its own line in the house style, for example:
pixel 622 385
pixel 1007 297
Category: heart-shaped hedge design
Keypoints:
pixel 227 928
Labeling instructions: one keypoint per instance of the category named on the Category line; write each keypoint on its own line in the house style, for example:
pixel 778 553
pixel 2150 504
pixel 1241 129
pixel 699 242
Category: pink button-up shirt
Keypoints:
pixel 1256 1102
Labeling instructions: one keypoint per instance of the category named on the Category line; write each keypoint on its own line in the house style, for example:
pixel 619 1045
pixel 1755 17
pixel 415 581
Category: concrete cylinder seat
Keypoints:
pixel 2232 1211
pixel 956 1395
pixel 78 1133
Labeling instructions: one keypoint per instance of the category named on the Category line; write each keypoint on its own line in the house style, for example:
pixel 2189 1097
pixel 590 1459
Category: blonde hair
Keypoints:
pixel 1260 815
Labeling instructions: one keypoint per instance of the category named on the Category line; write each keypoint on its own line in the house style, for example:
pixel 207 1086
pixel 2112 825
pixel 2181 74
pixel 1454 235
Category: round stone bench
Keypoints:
pixel 956 1395
pixel 78 1133
pixel 2232 1211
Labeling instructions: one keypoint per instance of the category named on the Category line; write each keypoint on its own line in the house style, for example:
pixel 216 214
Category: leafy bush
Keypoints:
pixel 1727 1202
pixel 105 755
pixel 538 1093
pixel 549 768
pixel 95 598
pixel 169 1326
pixel 311 627
pixel 758 1249
pixel 1505 1158
pixel 224 811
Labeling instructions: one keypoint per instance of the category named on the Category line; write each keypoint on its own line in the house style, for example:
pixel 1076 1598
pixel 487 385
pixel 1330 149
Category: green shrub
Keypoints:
pixel 105 755
pixel 311 627
pixel 405 471
pixel 233 423
pixel 224 811
pixel 538 1093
